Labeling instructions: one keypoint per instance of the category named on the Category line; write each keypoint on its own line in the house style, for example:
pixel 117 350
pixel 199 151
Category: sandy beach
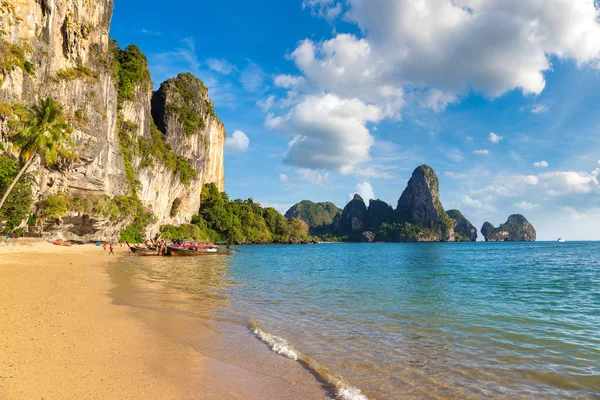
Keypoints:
pixel 62 336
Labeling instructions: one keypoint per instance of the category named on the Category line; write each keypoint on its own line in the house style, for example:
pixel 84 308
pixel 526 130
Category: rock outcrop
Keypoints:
pixel 420 204
pixel 354 217
pixel 515 229
pixel 379 213
pixel 183 111
pixel 464 231
pixel 62 49
pixel 316 215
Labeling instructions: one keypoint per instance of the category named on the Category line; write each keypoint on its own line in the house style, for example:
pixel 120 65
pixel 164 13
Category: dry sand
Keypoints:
pixel 61 337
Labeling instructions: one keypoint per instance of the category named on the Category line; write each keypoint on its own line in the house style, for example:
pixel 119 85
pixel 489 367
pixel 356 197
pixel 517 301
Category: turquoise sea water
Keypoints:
pixel 415 321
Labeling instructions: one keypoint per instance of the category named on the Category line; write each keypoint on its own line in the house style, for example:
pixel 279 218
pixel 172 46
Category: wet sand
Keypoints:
pixel 62 336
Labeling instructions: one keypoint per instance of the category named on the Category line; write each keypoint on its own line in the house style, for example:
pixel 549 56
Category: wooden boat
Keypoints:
pixel 190 251
pixel 143 251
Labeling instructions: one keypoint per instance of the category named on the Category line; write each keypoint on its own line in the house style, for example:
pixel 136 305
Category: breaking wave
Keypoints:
pixel 281 346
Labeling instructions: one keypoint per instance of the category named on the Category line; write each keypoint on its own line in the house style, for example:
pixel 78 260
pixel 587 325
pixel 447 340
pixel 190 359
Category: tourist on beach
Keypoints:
pixel 111 250
pixel 104 246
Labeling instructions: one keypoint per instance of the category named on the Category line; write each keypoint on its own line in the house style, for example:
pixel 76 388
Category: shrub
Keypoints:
pixel 81 71
pixel 13 56
pixel 132 234
pixel 54 205
pixel 130 70
pixel 175 207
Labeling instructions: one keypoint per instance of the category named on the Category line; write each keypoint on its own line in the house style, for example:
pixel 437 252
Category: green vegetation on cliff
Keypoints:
pixel 130 70
pixel 186 97
pixel 237 222
pixel 315 215
pixel 13 56
pixel 81 71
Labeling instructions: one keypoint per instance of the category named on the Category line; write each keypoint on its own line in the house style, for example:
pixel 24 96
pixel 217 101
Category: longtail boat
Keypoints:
pixel 143 251
pixel 190 251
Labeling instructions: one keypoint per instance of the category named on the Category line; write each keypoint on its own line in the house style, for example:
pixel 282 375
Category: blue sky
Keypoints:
pixel 335 97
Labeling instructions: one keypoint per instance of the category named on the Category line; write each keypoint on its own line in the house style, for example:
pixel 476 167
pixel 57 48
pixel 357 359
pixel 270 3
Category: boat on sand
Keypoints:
pixel 143 251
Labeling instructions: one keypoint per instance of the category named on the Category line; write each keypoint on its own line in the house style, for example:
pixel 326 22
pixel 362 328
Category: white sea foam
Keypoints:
pixel 350 393
pixel 279 345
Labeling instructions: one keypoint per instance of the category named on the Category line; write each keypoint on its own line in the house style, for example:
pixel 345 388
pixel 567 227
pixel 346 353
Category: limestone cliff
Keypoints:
pixel 420 204
pixel 62 49
pixel 354 217
pixel 183 111
pixel 515 229
pixel 464 231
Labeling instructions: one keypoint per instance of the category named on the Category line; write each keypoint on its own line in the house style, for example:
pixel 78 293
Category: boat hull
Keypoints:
pixel 195 253
pixel 138 251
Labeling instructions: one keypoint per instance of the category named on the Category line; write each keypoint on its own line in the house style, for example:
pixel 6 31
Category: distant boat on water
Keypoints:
pixel 561 240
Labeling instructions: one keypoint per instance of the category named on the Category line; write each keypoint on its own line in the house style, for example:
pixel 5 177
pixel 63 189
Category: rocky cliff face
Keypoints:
pixel 463 229
pixel 183 111
pixel 61 49
pixel 354 218
pixel 420 203
pixel 515 229
pixel 379 212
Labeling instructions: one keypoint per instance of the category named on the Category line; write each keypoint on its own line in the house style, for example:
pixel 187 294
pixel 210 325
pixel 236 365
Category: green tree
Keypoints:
pixel 17 205
pixel 42 131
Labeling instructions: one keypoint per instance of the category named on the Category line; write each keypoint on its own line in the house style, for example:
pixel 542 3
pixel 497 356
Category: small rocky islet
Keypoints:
pixel 418 217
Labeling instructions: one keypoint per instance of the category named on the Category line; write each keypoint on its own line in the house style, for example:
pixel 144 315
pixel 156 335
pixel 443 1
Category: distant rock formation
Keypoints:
pixel 464 231
pixel 367 237
pixel 420 204
pixel 379 213
pixel 354 218
pixel 516 229
pixel 316 215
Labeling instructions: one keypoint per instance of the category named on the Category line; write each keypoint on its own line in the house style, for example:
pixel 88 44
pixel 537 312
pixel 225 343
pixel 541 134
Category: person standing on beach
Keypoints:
pixel 111 250
pixel 104 246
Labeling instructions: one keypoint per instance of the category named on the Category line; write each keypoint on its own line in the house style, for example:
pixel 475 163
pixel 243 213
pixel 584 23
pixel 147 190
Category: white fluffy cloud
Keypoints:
pixel 430 52
pixel 237 142
pixel 491 46
pixel 541 164
pixel 365 190
pixel 495 138
pixel 329 132
pixel 346 66
pixel 283 178
pixel 482 152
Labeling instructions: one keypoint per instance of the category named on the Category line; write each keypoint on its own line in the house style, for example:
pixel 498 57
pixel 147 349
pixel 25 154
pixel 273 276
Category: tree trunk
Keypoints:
pixel 14 182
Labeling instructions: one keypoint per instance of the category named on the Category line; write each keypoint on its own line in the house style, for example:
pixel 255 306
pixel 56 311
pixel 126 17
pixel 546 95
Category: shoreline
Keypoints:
pixel 73 327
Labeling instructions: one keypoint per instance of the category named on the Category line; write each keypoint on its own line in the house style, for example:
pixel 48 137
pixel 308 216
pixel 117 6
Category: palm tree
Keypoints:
pixel 42 131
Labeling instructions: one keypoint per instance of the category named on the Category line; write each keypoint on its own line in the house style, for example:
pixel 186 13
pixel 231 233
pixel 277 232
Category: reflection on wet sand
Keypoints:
pixel 180 298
